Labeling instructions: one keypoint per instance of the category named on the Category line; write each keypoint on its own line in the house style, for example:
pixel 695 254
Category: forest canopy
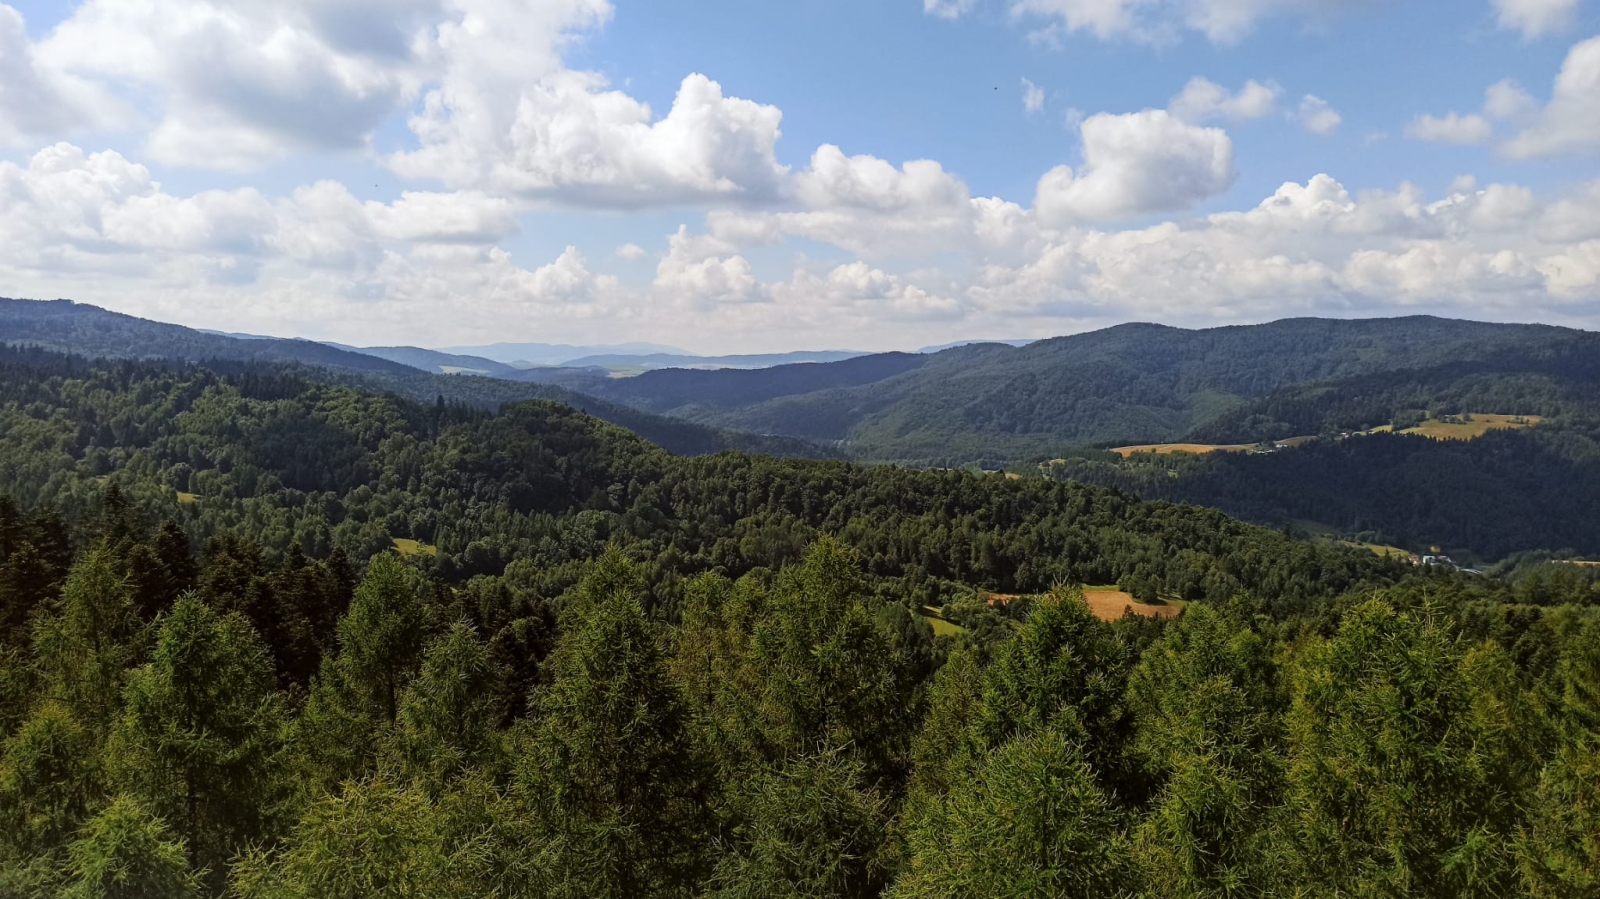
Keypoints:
pixel 263 637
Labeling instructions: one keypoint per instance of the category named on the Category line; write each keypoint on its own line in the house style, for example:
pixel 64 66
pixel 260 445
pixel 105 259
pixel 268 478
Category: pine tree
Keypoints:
pixel 1408 756
pixel 381 637
pixel 1206 708
pixel 86 644
pixel 615 783
pixel 449 713
pixel 199 739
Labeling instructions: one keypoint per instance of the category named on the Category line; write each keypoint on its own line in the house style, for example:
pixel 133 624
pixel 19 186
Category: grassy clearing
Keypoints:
pixel 187 499
pixel 1380 549
pixel 408 547
pixel 1164 449
pixel 1471 425
pixel 941 627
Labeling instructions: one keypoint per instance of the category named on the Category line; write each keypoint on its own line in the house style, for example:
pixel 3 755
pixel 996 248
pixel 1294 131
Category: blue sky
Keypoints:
pixel 462 171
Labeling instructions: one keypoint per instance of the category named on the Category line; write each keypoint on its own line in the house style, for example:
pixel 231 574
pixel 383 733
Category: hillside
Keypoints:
pixel 92 332
pixel 1131 384
pixel 265 636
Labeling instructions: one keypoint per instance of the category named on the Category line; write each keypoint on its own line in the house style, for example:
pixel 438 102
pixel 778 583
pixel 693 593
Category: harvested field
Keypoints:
pixel 1581 562
pixel 1471 426
pixel 1109 604
pixel 1164 449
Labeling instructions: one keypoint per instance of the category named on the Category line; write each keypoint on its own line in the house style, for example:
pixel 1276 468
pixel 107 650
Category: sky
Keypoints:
pixel 734 177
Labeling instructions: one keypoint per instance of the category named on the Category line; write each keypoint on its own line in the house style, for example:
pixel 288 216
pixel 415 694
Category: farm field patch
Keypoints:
pixel 408 547
pixel 1471 425
pixel 1164 449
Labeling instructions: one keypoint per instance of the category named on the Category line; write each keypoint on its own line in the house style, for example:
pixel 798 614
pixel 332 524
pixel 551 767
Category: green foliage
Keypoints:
pixel 633 674
pixel 49 782
pixel 1029 821
pixel 449 713
pixel 1559 847
pixel 126 853
pixel 1406 755
pixel 615 783
pixel 1206 708
pixel 810 830
pixel 87 643
pixel 375 840
pixel 1065 671
pixel 199 740
pixel 381 637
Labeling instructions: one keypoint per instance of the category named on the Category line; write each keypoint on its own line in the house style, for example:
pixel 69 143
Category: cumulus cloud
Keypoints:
pixel 1535 18
pixel 630 252
pixel 1507 100
pixel 1317 116
pixel 570 138
pixel 701 270
pixel 1568 123
pixel 1032 96
pixel 1137 164
pixel 234 85
pixel 1451 129
pixel 864 204
pixel 1202 100
pixel 37 100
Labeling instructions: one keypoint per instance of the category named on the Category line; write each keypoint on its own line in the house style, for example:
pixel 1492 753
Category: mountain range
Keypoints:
pixel 996 405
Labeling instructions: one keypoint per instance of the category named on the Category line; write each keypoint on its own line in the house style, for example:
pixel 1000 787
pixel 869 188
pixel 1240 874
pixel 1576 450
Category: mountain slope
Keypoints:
pixel 1137 383
pixel 90 331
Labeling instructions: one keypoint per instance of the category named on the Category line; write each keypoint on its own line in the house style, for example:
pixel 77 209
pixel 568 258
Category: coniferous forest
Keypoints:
pixel 266 637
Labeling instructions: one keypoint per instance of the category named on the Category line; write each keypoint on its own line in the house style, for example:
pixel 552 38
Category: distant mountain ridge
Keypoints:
pixel 556 353
pixel 84 330
pixel 1130 384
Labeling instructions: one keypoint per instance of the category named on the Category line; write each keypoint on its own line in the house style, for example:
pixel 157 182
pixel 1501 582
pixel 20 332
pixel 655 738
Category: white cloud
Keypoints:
pixel 630 252
pixel 569 138
pixel 39 101
pixel 1137 164
pixel 320 262
pixel 1507 100
pixel 699 270
pixel 1317 116
pixel 1568 124
pixel 1202 100
pixel 1535 18
pixel 1451 129
pixel 1032 96
pixel 234 85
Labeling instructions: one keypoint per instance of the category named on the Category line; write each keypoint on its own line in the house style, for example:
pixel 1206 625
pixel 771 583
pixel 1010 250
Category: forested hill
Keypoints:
pixel 264 637
pixel 332 466
pixel 1133 384
pixel 92 332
